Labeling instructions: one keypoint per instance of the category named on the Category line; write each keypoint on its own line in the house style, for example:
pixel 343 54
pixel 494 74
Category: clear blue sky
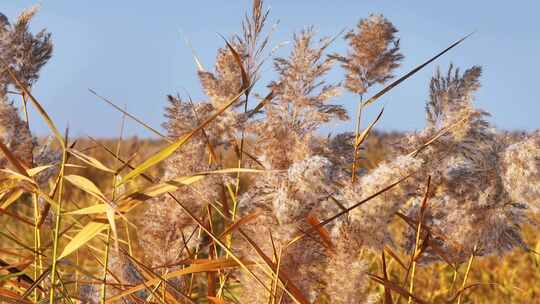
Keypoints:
pixel 133 52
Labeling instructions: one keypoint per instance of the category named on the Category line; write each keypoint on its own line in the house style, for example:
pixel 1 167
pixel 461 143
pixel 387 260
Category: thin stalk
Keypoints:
pixel 217 240
pixel 417 240
pixel 105 266
pixel 77 272
pixel 242 143
pixel 221 290
pixel 117 157
pixel 195 256
pixel 212 253
pixel 167 269
pixel 413 267
pixel 128 236
pixel 57 222
pixel 108 244
pixel 469 265
pixel 454 278
pixel 356 136
pixel 25 110
pixel 38 261
pixel 275 283
pixel 233 217
pixel 64 290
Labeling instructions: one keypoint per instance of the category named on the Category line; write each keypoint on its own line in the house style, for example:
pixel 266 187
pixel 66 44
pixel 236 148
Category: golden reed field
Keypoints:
pixel 243 200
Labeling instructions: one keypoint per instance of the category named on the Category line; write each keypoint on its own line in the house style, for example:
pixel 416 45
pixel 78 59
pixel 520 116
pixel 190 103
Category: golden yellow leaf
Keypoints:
pixel 11 198
pixel 90 161
pixel 17 176
pixel 99 208
pixel 87 233
pixel 87 186
pixel 37 170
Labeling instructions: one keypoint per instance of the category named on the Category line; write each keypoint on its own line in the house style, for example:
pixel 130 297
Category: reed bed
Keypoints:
pixel 243 200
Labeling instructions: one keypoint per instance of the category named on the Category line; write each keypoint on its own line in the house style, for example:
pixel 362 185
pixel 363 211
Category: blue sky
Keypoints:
pixel 134 53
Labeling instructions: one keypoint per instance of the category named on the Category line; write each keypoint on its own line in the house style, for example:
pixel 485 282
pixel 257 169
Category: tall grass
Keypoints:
pixel 242 200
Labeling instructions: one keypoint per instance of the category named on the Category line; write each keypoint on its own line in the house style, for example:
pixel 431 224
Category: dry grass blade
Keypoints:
pixel 289 285
pixel 5 265
pixel 55 187
pixel 87 186
pixel 387 292
pixel 321 231
pixel 165 153
pixel 91 161
pixel 412 72
pixel 16 271
pixel 99 208
pixel 11 196
pixel 245 79
pixel 246 219
pixel 125 163
pixel 17 176
pixel 261 104
pixel 417 251
pixel 16 217
pixel 431 232
pixel 359 139
pixel 236 170
pixel 128 201
pixel 443 131
pixel 395 287
pixel 278 257
pixel 466 276
pixel 36 283
pixel 211 148
pixel 215 239
pixel 84 236
pixel 148 272
pixel 347 210
pixel 8 296
pixel 441 253
pixel 36 104
pixel 12 238
pixel 209 265
pixel 8 277
pixel 194 54
pixel 395 257
pixel 13 160
pixel 471 286
pixel 126 113
pixel 37 170
pixel 366 132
